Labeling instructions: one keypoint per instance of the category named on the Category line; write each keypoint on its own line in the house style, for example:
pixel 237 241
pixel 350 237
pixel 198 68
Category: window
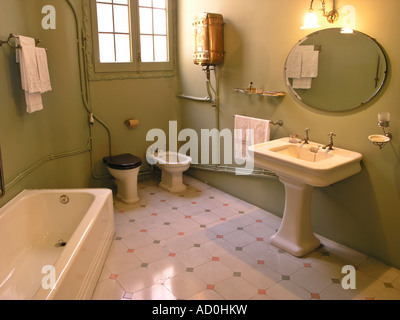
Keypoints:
pixel 131 35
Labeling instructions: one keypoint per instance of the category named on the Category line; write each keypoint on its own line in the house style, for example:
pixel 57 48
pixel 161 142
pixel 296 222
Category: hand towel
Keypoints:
pixel 35 78
pixel 241 135
pixel 30 78
pixel 249 131
pixel 33 102
pixel 302 83
pixel 293 66
pixel 41 58
pixel 261 130
pixel 309 66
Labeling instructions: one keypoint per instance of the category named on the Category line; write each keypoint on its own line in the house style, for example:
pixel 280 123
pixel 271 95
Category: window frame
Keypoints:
pixel 136 65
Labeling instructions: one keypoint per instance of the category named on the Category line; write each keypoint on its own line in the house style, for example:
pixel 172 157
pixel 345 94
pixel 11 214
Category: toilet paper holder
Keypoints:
pixel 132 123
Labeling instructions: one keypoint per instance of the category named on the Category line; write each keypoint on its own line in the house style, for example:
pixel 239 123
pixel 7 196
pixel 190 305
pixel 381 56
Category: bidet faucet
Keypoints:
pixel 329 146
pixel 306 138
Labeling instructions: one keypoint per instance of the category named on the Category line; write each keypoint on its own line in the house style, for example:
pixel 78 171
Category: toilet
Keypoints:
pixel 125 169
pixel 172 166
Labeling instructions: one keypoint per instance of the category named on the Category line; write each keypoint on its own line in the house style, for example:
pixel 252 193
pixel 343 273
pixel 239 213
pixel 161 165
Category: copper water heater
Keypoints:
pixel 208 38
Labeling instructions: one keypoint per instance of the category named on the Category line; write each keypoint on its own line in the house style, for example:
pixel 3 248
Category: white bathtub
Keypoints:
pixel 33 265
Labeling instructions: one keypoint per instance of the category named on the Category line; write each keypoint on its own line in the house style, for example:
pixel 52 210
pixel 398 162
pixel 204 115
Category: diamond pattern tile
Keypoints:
pixel 204 244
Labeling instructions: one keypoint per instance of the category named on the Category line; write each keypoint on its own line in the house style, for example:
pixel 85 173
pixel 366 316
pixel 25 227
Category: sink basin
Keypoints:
pixel 301 167
pixel 307 163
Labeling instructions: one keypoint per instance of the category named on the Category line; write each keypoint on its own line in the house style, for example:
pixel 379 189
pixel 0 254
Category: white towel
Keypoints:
pixel 249 131
pixel 293 66
pixel 302 83
pixel 35 78
pixel 302 66
pixel 241 136
pixel 41 58
pixel 261 130
pixel 28 64
pixel 295 62
pixel 309 66
pixel 33 102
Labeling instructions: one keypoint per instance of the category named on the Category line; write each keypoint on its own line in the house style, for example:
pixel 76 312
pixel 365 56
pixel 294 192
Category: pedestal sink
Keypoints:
pixel 301 167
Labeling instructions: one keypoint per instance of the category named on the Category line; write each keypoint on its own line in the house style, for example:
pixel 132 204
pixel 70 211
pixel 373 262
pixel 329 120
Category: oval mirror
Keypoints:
pixel 333 71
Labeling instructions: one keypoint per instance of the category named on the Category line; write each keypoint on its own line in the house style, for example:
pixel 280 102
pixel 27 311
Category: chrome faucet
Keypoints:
pixel 2 184
pixel 329 146
pixel 306 138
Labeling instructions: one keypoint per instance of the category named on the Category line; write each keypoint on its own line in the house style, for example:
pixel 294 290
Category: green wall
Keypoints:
pixel 27 139
pixel 61 126
pixel 362 212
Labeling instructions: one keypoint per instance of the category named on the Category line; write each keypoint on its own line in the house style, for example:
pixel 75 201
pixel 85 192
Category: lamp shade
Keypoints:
pixel 310 21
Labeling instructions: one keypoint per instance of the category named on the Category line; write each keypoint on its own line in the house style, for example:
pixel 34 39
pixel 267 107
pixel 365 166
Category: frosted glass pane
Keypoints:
pixel 146 21
pixel 121 19
pixel 159 4
pixel 106 46
pixel 108 1
pixel 145 3
pixel 104 17
pixel 160 21
pixel 121 1
pixel 146 45
pixel 123 48
pixel 160 49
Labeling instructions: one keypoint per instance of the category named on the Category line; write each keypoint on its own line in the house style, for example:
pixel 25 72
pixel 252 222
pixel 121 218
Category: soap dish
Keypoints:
pixel 379 140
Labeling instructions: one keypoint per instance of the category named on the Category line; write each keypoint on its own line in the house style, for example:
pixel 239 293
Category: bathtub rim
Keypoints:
pixel 67 257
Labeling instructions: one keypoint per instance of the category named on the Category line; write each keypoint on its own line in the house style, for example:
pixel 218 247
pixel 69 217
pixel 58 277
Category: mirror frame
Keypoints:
pixel 378 89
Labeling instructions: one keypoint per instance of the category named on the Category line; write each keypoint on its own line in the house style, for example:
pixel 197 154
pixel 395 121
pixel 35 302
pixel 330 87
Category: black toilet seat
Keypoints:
pixel 124 161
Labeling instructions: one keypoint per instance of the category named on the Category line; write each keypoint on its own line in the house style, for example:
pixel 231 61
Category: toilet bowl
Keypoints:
pixel 172 166
pixel 125 170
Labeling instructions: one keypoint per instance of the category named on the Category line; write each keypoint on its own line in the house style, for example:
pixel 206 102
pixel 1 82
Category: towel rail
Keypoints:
pixel 278 123
pixel 14 36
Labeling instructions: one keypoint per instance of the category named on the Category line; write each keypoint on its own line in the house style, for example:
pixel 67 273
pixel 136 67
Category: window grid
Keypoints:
pixel 109 37
pixel 153 34
pixel 113 32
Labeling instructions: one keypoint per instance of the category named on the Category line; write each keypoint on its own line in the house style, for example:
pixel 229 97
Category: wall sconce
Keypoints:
pixel 310 20
pixel 383 122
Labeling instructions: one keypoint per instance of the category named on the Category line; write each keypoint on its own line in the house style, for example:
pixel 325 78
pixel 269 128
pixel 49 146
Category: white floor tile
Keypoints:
pixel 204 244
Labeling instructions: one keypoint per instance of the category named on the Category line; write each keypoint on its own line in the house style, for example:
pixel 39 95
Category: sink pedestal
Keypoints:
pixel 295 234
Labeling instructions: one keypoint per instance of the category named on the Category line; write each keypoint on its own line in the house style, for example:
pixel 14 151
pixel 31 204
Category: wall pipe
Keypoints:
pixel 84 84
pixel 85 98
pixel 218 167
pixel 85 94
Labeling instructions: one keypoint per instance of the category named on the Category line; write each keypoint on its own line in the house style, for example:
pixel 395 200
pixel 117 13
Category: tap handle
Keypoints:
pixel 331 135
pixel 307 131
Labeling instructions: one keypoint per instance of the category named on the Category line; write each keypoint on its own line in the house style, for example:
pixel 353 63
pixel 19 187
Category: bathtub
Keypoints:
pixel 53 243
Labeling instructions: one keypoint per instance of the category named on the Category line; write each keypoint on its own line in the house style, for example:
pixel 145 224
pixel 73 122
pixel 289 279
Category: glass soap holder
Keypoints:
pixel 294 138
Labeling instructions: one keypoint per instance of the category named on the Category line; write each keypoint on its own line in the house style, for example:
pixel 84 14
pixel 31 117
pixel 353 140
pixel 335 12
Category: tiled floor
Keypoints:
pixel 205 244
